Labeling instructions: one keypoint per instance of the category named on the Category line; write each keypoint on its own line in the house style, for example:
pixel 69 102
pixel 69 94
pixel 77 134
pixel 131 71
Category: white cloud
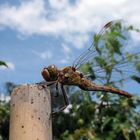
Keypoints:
pixel 44 55
pixel 133 43
pixel 63 61
pixel 10 65
pixel 73 22
pixel 66 49
pixel 67 53
pixel 77 40
pixel 135 36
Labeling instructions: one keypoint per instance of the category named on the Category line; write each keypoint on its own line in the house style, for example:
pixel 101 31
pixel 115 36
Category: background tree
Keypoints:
pixel 4 115
pixel 4 121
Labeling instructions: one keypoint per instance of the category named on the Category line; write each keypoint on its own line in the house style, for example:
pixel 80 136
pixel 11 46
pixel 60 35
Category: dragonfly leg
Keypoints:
pixel 42 85
pixel 66 101
pixel 50 83
pixel 57 93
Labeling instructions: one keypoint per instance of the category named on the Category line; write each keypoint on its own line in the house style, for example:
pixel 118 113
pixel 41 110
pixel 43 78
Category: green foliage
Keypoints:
pixel 5 113
pixel 136 78
pixel 91 120
pixel 2 63
pixel 4 121
pixel 138 66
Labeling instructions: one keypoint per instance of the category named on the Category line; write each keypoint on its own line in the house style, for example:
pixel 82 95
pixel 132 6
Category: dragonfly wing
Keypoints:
pixel 108 59
pixel 93 51
pixel 121 70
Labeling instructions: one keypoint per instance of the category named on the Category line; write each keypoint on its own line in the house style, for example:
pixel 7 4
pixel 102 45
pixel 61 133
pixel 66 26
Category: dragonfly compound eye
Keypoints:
pixel 45 74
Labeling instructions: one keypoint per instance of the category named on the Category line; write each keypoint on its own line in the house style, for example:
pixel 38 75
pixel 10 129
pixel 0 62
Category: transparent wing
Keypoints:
pixel 117 71
pixel 92 51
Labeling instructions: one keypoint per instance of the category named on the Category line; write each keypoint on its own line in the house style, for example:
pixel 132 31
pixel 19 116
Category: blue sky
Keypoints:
pixel 36 33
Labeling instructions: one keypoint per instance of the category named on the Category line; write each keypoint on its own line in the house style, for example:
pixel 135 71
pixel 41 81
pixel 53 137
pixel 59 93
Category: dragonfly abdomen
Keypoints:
pixel 88 85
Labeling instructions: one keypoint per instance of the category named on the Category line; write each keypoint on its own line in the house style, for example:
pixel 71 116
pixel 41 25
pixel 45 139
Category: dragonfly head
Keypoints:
pixel 50 73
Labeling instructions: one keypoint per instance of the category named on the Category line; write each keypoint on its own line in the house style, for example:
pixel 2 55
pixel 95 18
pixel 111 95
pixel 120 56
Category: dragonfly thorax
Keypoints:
pixel 69 76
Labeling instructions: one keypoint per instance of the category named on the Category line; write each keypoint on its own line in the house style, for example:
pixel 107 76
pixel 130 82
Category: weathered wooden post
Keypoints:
pixel 30 113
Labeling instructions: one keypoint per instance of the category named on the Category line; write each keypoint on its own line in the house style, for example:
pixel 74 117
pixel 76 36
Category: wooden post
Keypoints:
pixel 30 113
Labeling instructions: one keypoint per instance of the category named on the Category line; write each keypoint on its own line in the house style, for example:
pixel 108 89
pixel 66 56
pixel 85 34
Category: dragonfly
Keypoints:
pixel 71 76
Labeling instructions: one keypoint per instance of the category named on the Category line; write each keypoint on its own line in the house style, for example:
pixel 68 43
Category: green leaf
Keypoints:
pixel 88 71
pixel 119 35
pixel 2 63
pixel 138 66
pixel 101 61
pixel 136 78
